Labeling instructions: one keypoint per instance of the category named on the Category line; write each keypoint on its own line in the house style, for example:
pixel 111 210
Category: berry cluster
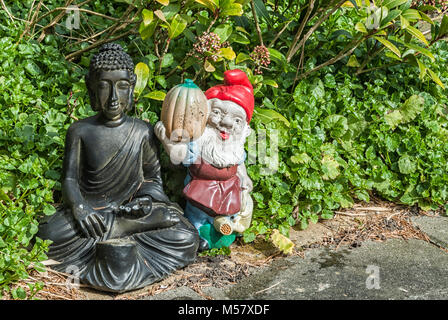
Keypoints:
pixel 261 58
pixel 208 44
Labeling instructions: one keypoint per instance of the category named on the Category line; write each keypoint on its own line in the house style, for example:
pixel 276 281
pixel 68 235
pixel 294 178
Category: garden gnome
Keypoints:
pixel 217 186
pixel 117 229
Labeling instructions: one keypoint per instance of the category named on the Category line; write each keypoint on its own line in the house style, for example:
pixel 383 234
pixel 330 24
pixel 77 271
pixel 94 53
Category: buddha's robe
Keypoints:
pixel 132 172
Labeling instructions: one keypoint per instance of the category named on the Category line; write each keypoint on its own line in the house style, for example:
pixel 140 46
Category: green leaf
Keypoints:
pixel 415 47
pixel 411 15
pixel 270 82
pixel 148 17
pixel 209 67
pixel 389 45
pixel 241 57
pixel 223 31
pixel 435 78
pixel 230 8
pixel 301 158
pixel 443 27
pixel 147 31
pixel 156 95
pixel 422 69
pixel 426 18
pixel 142 71
pixel 208 4
pixel 417 34
pixel 412 107
pixel 268 115
pixel 407 164
pixel 276 55
pixel 177 26
pixel 404 23
pixel 261 10
pixel 393 3
pixel 353 62
pixel 390 17
pixel 164 2
pixel 337 124
pixel 167 60
pixel 329 168
pixel 227 53
pixel 360 27
pixel 284 244
pixel 48 210
pixel 394 118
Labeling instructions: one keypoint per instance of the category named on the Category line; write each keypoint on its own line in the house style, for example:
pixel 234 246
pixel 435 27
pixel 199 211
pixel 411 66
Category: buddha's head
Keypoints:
pixel 110 81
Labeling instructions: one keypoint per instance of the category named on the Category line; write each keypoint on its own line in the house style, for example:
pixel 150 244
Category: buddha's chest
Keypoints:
pixel 102 146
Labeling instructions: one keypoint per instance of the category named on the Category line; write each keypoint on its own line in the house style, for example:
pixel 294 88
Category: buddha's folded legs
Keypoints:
pixel 143 257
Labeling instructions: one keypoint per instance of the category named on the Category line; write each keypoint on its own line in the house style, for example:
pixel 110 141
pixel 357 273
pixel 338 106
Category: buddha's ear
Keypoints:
pixel 91 91
pixel 131 92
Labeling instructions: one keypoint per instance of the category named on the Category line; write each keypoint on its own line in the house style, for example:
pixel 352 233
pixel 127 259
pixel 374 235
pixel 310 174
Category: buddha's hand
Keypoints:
pixel 137 207
pixel 89 221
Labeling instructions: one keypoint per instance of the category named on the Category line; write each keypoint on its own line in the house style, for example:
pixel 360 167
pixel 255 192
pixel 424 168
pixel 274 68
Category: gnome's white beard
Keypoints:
pixel 222 153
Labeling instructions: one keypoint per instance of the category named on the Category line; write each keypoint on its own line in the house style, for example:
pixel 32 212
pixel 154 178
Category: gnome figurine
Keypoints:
pixel 217 187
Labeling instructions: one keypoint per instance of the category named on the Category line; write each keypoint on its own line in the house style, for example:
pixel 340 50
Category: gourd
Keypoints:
pixel 184 112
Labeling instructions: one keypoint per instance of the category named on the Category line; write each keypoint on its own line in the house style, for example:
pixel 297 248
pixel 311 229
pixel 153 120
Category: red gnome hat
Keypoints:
pixel 236 88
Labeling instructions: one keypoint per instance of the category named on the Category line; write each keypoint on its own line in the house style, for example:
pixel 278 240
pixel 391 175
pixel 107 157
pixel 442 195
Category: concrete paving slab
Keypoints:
pixel 181 293
pixel 436 228
pixel 395 269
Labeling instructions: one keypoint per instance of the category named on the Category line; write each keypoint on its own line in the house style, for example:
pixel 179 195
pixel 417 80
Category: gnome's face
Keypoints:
pixel 227 118
pixel 225 134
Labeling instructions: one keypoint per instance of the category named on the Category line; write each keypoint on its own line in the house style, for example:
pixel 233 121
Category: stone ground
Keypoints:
pixel 371 251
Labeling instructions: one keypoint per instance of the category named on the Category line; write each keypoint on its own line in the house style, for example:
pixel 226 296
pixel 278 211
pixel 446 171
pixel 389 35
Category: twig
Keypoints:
pixel 269 287
pixel 335 59
pixel 54 295
pixel 257 26
pixel 301 27
pixel 292 51
pixel 372 209
pixel 28 27
pixel 51 24
pixel 7 11
pixel 97 44
pixel 351 214
pixel 279 34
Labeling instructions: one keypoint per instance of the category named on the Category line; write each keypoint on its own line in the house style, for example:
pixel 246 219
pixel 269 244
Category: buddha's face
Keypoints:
pixel 114 92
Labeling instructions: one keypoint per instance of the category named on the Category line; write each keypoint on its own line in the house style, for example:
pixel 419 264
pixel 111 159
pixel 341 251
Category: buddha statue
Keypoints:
pixel 116 226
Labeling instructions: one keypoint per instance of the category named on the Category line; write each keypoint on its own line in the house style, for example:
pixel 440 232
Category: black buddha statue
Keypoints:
pixel 117 226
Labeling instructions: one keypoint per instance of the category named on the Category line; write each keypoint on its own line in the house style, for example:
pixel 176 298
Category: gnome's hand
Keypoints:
pixel 176 150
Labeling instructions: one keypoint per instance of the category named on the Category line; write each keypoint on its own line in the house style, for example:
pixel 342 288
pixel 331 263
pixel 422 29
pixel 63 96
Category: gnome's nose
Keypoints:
pixel 227 123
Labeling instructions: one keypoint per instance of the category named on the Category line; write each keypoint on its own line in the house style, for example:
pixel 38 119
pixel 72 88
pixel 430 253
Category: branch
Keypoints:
pixel 301 27
pixel 28 27
pixel 312 29
pixel 7 11
pixel 73 55
pixel 279 34
pixel 257 26
pixel 335 59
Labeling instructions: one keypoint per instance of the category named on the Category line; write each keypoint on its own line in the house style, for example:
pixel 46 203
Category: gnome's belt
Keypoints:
pixel 213 190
